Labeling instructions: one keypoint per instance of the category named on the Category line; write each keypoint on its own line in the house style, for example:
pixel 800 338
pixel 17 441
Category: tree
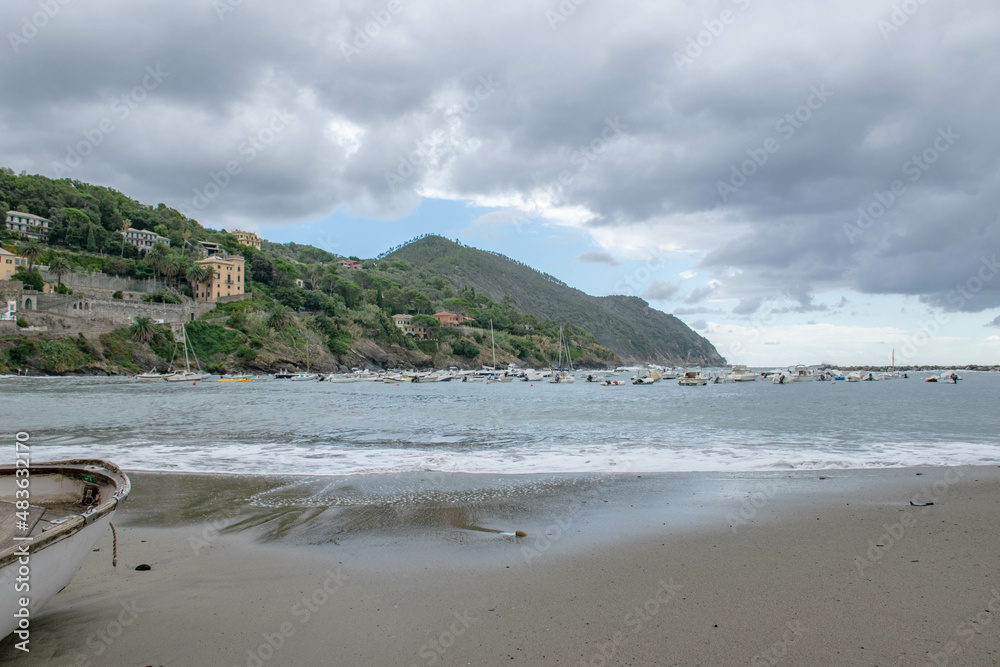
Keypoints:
pixel 197 274
pixel 261 269
pixel 126 223
pixel 60 267
pixel 280 317
pixel 156 257
pixel 31 251
pixel 117 267
pixel 142 330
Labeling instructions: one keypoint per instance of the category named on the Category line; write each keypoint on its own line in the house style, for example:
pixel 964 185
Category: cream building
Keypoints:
pixel 10 264
pixel 405 324
pixel 28 225
pixel 229 278
pixel 143 238
pixel 247 239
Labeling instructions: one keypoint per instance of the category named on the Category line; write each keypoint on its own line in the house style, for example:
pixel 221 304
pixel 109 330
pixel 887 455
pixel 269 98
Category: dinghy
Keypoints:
pixel 45 537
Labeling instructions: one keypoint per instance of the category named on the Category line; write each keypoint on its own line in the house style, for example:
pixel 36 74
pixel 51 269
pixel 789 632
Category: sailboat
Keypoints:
pixel 559 374
pixel 307 376
pixel 186 375
pixel 496 376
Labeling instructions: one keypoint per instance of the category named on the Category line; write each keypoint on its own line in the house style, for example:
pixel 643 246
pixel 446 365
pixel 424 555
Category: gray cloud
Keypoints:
pixel 748 306
pixel 699 325
pixel 661 291
pixel 817 214
pixel 699 294
pixel 599 257
pixel 995 322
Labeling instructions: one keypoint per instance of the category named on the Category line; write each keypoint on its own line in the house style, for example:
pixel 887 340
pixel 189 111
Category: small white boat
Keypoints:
pixel 692 379
pixel 305 377
pixel 150 375
pixel 802 374
pixel 183 376
pixel 649 378
pixel 70 505
pixel 741 373
pixel 561 377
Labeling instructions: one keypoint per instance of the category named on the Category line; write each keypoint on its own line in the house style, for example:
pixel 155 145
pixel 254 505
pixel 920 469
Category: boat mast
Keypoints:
pixel 494 342
pixel 187 363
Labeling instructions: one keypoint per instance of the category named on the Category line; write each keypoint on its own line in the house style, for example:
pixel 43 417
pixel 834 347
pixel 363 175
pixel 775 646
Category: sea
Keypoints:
pixel 279 427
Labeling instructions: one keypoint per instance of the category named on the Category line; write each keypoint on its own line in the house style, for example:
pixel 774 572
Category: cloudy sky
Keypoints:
pixel 801 182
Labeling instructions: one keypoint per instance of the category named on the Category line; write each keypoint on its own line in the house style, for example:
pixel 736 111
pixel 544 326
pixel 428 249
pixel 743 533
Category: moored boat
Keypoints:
pixel 692 379
pixel 70 504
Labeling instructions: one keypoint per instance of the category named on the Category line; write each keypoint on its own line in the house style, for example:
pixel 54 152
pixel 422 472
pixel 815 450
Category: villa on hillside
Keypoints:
pixel 10 264
pixel 447 319
pixel 349 264
pixel 405 324
pixel 28 225
pixel 143 239
pixel 227 281
pixel 209 249
pixel 247 238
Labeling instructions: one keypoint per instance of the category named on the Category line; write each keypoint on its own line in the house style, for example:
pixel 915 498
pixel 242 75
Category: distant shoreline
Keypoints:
pixel 98 372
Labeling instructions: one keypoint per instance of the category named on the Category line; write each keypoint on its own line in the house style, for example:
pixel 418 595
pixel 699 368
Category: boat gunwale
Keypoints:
pixel 111 475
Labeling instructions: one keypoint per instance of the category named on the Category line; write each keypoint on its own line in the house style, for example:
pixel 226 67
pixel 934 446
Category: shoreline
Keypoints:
pixel 670 568
pixel 97 372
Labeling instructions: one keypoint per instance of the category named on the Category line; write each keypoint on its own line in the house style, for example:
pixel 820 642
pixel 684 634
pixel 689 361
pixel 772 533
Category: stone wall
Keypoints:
pixel 94 281
pixel 120 312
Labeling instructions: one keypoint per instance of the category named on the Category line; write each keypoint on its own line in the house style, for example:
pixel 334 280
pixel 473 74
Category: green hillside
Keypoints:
pixel 628 326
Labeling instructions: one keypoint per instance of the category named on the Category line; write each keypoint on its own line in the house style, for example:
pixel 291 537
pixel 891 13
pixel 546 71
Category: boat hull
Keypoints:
pixel 75 501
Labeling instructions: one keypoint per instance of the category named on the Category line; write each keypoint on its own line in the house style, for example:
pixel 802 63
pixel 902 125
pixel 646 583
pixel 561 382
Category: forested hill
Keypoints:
pixel 626 325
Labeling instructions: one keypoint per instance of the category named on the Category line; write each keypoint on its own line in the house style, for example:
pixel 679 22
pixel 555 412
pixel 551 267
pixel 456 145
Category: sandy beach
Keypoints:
pixel 804 568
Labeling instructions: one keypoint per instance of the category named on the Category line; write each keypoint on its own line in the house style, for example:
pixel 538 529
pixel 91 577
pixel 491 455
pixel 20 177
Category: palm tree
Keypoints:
pixel 126 223
pixel 196 274
pixel 155 258
pixel 142 330
pixel 31 251
pixel 60 267
pixel 280 317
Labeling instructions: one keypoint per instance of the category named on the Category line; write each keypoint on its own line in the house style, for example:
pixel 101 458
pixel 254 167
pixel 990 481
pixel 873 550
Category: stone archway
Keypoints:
pixel 27 303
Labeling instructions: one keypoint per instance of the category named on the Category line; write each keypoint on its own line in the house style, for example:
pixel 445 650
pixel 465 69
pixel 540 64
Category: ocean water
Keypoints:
pixel 303 428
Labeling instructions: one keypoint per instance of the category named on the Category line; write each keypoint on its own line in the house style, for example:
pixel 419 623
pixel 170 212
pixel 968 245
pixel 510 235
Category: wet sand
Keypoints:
pixel 678 569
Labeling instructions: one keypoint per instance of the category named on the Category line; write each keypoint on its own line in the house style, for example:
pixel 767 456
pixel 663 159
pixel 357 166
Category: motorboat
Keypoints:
pixel 649 378
pixel 692 379
pixel 949 377
pixel 150 375
pixel 304 377
pixel 70 505
pixel 740 373
pixel 561 377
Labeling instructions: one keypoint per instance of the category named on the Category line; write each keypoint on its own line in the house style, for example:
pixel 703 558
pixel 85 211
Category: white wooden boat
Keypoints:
pixel 70 505
pixel 305 377
pixel 692 379
pixel 150 375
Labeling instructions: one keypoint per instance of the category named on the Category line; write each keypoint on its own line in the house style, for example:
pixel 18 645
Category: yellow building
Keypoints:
pixel 405 324
pixel 228 280
pixel 247 239
pixel 10 264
